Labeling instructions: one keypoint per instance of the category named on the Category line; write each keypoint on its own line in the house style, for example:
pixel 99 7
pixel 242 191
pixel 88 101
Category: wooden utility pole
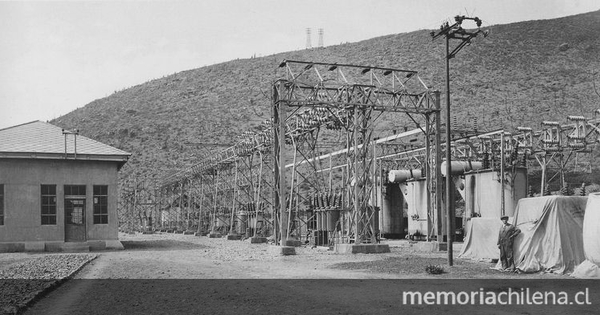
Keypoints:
pixel 454 31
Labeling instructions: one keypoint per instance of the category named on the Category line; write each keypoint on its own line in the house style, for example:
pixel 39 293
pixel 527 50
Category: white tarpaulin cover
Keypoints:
pixel 590 268
pixel 551 238
pixel 481 239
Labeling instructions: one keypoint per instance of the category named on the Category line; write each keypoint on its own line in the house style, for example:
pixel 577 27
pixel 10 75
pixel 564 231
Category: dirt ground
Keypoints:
pixel 177 274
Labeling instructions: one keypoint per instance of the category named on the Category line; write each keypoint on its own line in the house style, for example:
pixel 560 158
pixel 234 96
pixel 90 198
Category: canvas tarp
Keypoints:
pixel 590 267
pixel 551 238
pixel 481 239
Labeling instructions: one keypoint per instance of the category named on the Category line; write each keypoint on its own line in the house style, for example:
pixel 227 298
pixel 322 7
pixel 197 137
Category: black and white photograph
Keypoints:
pixel 300 157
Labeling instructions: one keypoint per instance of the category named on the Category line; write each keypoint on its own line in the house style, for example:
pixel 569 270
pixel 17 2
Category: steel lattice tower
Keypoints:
pixel 321 32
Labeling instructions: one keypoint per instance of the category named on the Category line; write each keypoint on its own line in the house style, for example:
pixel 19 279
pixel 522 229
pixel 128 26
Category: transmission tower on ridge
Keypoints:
pixel 308 41
pixel 320 38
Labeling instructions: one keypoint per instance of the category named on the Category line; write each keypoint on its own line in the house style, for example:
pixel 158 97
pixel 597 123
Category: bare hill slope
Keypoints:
pixel 521 74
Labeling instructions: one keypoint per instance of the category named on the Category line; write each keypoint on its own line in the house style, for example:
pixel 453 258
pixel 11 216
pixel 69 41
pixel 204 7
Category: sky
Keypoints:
pixel 58 56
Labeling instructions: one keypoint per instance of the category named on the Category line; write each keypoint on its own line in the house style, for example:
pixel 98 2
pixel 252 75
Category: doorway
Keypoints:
pixel 75 214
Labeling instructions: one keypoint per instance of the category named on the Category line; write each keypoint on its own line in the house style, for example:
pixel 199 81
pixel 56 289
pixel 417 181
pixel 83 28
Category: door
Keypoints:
pixel 75 220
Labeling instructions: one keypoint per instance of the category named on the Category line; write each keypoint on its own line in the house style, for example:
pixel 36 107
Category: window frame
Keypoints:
pixel 48 204
pixel 2 204
pixel 100 202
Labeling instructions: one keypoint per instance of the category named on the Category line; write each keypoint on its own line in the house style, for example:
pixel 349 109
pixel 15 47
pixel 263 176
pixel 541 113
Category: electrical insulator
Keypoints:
pixel 486 160
pixel 523 161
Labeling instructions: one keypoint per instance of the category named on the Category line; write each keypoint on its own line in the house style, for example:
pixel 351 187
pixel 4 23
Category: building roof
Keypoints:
pixel 40 140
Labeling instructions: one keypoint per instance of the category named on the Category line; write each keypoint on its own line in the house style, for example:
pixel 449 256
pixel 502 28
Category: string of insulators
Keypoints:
pixel 322 96
pixel 318 116
pixel 251 206
pixel 576 139
pixel 577 145
pixel 326 200
pixel 523 160
pixel 486 160
pixel 514 156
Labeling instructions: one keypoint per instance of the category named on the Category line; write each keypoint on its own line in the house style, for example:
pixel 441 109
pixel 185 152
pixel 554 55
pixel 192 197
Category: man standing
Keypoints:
pixel 505 243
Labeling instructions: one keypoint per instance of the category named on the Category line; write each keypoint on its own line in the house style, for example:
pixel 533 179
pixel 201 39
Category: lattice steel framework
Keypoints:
pixel 348 98
pixel 230 190
pixel 553 146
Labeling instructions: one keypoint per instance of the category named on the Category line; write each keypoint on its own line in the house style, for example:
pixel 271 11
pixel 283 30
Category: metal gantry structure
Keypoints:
pixel 560 146
pixel 232 186
pixel 316 169
pixel 348 98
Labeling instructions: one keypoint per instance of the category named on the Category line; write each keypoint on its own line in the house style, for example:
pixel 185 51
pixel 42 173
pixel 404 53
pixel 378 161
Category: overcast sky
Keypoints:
pixel 58 56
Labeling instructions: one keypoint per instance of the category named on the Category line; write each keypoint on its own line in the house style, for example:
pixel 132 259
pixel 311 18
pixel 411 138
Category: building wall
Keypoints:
pixel 22 181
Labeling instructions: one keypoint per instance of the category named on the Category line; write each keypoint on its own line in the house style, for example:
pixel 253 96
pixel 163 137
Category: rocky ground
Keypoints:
pixel 155 270
pixel 24 277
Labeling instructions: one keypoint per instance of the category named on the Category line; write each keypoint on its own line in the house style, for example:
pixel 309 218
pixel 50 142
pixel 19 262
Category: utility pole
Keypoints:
pixel 454 31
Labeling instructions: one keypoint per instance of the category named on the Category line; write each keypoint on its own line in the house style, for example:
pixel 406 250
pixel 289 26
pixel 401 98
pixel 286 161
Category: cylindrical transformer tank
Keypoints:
pixel 319 217
pixel 400 176
pixel 256 220
pixel 333 216
pixel 392 209
pixel 242 222
pixel 461 167
pixel 221 220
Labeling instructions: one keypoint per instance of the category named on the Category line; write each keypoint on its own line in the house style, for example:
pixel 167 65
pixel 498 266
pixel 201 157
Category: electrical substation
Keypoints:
pixel 327 170
pixel 321 170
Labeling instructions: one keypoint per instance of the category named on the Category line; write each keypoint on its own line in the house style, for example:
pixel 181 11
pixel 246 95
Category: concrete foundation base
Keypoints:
pixel 68 247
pixel 71 247
pixel 75 247
pixel 258 239
pixel 12 247
pixel 283 250
pixel 234 237
pixel 35 246
pixel 361 248
pixel 294 243
pixel 97 245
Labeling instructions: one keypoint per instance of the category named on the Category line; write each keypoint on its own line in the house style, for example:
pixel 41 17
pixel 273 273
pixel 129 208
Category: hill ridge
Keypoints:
pixel 523 73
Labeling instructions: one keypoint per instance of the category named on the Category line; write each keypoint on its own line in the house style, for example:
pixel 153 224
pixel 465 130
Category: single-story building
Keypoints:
pixel 58 190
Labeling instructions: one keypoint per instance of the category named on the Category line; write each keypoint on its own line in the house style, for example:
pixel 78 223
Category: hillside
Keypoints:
pixel 521 74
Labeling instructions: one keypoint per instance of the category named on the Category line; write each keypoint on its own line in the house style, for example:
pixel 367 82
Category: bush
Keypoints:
pixel 434 269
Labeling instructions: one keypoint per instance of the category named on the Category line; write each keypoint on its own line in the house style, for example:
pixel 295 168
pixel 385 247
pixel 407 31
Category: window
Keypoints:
pixel 48 204
pixel 1 204
pixel 74 190
pixel 101 204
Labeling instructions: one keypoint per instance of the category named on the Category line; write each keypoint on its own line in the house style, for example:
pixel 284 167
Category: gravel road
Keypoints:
pixel 171 273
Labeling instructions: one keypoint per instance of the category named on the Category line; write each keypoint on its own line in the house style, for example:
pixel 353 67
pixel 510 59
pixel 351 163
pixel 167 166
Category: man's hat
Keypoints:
pixel 504 218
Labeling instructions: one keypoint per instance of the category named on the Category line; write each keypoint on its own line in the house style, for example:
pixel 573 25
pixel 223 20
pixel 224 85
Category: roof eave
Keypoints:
pixel 121 159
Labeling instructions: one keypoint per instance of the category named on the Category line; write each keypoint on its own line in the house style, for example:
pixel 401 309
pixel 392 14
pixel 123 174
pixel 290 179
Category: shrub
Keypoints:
pixel 434 269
